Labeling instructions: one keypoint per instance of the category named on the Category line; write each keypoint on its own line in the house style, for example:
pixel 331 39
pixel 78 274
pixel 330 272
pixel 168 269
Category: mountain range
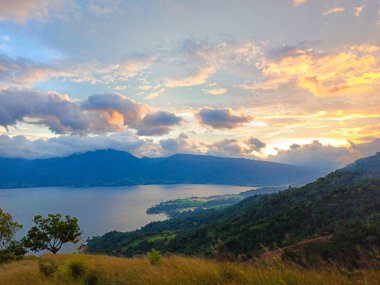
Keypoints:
pixel 117 168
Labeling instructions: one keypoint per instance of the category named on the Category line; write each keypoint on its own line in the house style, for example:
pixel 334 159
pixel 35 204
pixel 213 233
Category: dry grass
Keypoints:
pixel 174 270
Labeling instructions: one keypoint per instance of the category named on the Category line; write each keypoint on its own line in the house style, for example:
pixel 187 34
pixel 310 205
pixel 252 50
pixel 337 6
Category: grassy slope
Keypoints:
pixel 176 270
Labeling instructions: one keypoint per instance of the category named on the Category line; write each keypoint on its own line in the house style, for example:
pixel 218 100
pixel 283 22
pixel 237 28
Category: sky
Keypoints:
pixel 291 81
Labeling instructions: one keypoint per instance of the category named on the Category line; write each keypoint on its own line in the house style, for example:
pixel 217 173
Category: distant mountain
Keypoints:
pixel 116 168
pixel 336 217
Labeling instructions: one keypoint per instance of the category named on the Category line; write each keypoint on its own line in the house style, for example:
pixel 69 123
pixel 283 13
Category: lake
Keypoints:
pixel 101 209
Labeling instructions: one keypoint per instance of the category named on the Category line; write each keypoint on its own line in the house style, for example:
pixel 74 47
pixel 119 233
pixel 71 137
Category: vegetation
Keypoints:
pixel 176 208
pixel 52 232
pixel 154 257
pixel 342 209
pixel 108 270
pixel 8 228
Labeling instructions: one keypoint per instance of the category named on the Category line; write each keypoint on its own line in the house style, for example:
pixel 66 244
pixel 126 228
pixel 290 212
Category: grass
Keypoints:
pixel 99 269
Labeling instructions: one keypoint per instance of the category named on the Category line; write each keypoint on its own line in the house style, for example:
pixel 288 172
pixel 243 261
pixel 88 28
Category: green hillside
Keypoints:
pixel 343 208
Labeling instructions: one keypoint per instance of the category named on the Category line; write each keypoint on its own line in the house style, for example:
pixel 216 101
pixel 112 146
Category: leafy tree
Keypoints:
pixel 8 228
pixel 52 232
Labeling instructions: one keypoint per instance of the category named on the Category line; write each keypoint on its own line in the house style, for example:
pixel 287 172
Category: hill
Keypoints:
pixel 343 207
pixel 105 270
pixel 116 168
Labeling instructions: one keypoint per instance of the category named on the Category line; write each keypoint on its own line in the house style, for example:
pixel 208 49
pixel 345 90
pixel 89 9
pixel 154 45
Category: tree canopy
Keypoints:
pixel 8 228
pixel 52 232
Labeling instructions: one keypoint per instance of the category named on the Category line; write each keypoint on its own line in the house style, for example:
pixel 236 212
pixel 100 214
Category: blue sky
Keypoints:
pixel 289 81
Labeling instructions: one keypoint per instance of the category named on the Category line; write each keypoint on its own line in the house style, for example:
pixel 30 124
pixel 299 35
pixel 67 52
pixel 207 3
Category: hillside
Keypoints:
pixel 116 168
pixel 105 270
pixel 343 206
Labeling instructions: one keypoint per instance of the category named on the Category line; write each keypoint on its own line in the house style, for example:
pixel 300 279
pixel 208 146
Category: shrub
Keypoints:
pixel 17 248
pixel 47 267
pixel 92 278
pixel 77 268
pixel 154 257
pixel 6 256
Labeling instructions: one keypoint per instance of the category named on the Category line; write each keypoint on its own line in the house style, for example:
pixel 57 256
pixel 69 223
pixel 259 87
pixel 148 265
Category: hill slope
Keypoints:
pixel 116 168
pixel 343 206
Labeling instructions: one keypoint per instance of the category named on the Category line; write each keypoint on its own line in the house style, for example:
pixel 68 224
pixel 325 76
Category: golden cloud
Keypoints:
pixel 355 71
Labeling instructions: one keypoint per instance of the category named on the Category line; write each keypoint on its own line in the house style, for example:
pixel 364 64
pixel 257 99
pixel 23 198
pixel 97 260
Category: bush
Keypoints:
pixel 77 268
pixel 6 256
pixel 92 278
pixel 17 248
pixel 154 257
pixel 47 267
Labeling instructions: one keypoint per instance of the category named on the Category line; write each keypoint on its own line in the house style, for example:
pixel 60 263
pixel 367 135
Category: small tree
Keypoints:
pixel 154 257
pixel 52 232
pixel 8 228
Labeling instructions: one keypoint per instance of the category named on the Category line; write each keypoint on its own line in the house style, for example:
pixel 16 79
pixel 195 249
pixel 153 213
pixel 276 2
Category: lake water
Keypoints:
pixel 101 209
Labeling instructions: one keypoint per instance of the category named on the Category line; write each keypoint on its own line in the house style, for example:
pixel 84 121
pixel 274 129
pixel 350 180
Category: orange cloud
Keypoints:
pixel 353 72
pixel 200 77
pixel 334 10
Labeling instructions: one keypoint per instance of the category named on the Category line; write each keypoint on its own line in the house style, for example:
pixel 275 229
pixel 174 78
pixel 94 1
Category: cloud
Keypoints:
pixel 207 59
pixel 298 2
pixel 358 10
pixel 355 71
pixel 22 147
pixel 23 10
pixel 222 118
pixel 200 77
pixel 232 148
pixel 316 154
pixel 217 91
pixel 25 72
pixel 255 144
pixel 334 10
pixel 181 144
pixel 100 113
pixel 22 71
pixel 157 124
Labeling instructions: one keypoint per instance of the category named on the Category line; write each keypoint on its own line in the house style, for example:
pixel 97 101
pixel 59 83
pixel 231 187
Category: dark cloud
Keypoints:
pixel 255 144
pixel 222 118
pixel 181 144
pixel 158 124
pixel 100 113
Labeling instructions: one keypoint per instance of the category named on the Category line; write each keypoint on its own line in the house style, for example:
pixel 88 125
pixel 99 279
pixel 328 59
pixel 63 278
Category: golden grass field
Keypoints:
pixel 101 269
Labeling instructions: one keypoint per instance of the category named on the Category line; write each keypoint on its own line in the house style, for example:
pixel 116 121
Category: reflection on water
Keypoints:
pixel 102 209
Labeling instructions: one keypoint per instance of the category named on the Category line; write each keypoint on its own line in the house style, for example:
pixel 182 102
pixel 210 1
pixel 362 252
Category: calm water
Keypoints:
pixel 104 209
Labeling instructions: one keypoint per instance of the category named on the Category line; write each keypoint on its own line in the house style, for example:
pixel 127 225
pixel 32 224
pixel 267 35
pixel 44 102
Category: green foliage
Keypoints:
pixel 47 267
pixel 6 256
pixel 8 228
pixel 17 248
pixel 154 257
pixel 52 232
pixel 77 268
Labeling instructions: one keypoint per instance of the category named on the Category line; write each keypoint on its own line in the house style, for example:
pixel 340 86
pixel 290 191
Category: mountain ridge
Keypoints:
pixel 117 168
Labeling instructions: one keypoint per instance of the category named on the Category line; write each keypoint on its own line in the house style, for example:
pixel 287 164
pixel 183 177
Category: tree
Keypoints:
pixel 8 228
pixel 52 232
